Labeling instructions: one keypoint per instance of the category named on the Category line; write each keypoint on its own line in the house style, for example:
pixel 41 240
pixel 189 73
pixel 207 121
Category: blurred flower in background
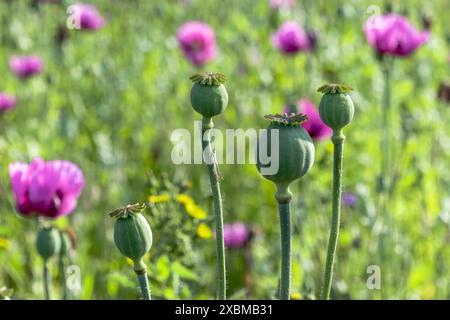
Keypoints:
pixel 393 35
pixel 198 42
pixel 49 189
pixel 236 235
pixel 349 199
pixel 290 38
pixel 25 66
pixel 86 17
pixel 278 4
pixel 7 101
pixel 314 125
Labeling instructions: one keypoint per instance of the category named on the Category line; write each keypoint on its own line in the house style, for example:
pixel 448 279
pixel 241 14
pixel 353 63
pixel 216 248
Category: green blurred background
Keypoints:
pixel 109 101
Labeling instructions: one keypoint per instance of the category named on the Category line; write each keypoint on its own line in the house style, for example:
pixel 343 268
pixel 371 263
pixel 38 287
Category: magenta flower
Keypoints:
pixel 86 17
pixel 392 34
pixel 198 42
pixel 290 38
pixel 236 235
pixel 7 101
pixel 25 66
pixel 278 4
pixel 50 189
pixel 314 125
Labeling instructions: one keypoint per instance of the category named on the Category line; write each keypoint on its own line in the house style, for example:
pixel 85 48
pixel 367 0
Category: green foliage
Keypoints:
pixel 109 101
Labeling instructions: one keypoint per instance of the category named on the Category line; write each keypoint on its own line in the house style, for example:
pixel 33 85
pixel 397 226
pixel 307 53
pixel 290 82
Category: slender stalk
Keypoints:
pixel 286 254
pixel 62 270
pixel 338 142
pixel 46 279
pixel 386 138
pixel 141 271
pixel 214 176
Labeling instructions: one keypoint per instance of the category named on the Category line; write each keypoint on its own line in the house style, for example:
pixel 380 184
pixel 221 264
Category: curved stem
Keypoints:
pixel 46 279
pixel 141 271
pixel 338 141
pixel 214 174
pixel 286 255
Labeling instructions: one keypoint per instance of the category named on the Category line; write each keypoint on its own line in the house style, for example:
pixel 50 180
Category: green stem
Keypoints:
pixel 62 270
pixel 286 255
pixel 141 271
pixel 338 142
pixel 386 139
pixel 213 172
pixel 46 279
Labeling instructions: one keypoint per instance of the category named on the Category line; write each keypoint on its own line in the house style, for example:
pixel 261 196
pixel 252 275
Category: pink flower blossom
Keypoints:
pixel 25 66
pixel 314 125
pixel 50 189
pixel 392 34
pixel 236 235
pixel 7 101
pixel 198 42
pixel 86 17
pixel 290 38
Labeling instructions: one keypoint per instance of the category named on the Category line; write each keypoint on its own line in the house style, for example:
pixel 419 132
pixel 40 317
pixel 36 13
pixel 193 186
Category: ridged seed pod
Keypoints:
pixel 48 242
pixel 295 149
pixel 208 94
pixel 132 234
pixel 336 106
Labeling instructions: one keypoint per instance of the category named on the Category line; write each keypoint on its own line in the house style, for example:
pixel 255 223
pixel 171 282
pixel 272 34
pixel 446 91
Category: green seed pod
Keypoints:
pixel 66 243
pixel 208 94
pixel 48 242
pixel 295 152
pixel 336 106
pixel 132 232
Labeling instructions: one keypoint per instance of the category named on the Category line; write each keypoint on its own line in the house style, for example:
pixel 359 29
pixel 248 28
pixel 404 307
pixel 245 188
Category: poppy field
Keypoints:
pixel 187 149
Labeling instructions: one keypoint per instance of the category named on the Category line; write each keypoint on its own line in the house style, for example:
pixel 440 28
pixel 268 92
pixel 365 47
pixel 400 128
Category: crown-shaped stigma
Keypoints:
pixel 209 78
pixel 293 119
pixel 129 209
pixel 335 88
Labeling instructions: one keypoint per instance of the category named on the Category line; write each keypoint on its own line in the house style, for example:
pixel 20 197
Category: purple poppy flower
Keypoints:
pixel 236 235
pixel 198 42
pixel 7 101
pixel 349 199
pixel 278 4
pixel 290 38
pixel 25 66
pixel 314 125
pixel 50 189
pixel 392 34
pixel 85 17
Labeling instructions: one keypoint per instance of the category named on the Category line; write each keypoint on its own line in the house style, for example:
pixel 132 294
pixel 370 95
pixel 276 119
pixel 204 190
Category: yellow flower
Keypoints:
pixel 195 211
pixel 184 199
pixel 159 198
pixel 4 244
pixel 296 296
pixel 203 231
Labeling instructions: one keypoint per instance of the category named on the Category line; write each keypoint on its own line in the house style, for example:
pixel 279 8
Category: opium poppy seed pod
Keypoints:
pixel 48 244
pixel 133 237
pixel 209 96
pixel 336 107
pixel 295 152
